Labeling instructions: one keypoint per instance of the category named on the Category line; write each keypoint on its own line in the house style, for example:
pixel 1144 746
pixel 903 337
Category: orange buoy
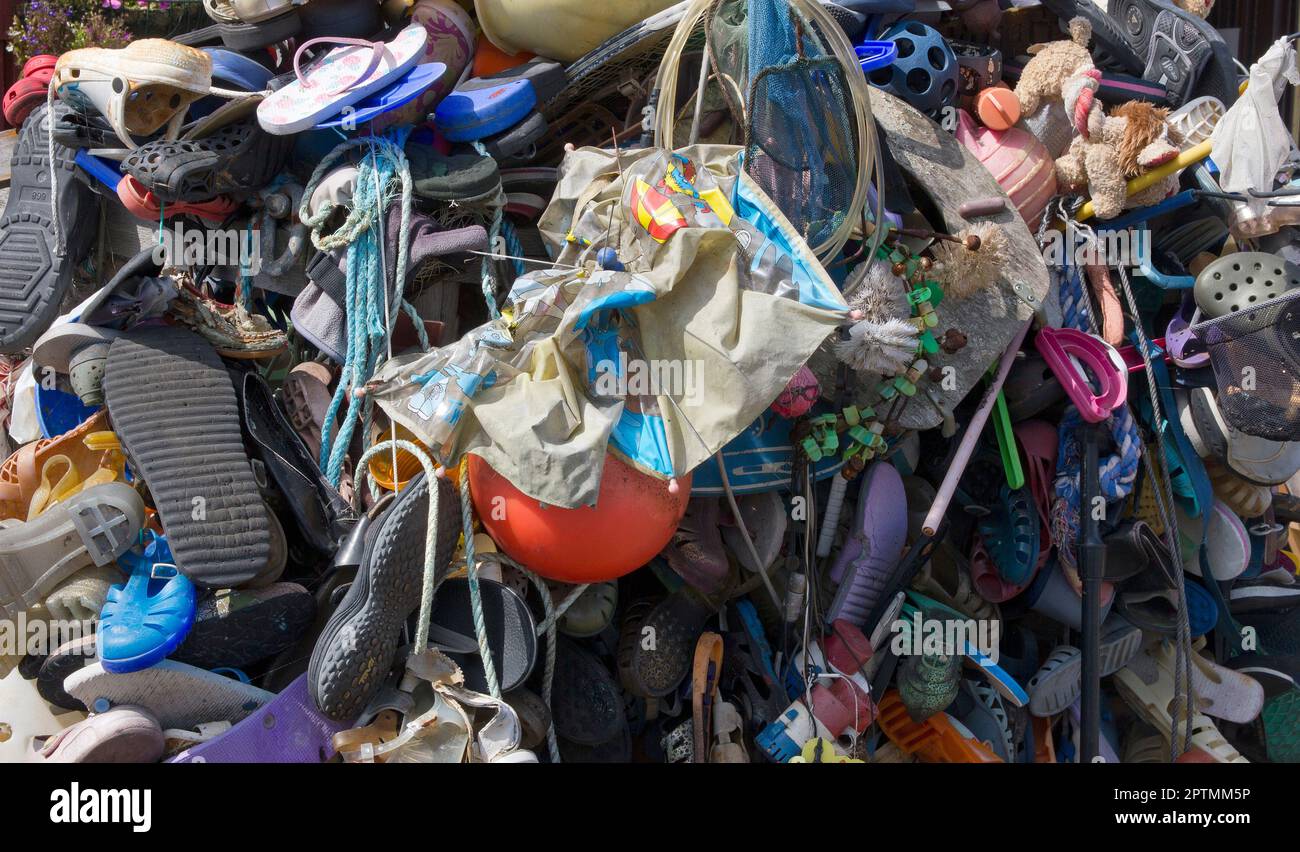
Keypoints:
pixel 634 517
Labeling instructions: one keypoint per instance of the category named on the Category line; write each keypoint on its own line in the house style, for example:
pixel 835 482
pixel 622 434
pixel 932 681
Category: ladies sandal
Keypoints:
pixel 1151 695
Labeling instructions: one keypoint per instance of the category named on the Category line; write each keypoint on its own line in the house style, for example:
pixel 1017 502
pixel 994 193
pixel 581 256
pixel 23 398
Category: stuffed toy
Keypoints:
pixel 1110 150
pixel 1051 65
pixel 1199 8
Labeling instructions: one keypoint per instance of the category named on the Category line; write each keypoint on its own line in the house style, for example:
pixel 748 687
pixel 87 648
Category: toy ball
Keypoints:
pixel 634 517
pixel 925 71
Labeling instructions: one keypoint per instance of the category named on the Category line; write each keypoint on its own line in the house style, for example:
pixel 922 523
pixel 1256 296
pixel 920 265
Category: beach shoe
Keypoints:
pixel 29 91
pixel 143 88
pixel 1160 42
pixel 237 158
pixel 866 563
pixel 357 647
pixel 37 254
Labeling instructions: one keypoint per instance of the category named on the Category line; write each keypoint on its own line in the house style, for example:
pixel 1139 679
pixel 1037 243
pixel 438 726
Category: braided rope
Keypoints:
pixel 475 595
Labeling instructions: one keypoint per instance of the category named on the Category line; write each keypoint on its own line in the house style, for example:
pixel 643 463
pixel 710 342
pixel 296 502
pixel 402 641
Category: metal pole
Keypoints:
pixel 1091 561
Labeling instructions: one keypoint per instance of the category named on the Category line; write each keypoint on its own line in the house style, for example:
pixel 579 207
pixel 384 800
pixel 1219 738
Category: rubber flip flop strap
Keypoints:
pixel 377 52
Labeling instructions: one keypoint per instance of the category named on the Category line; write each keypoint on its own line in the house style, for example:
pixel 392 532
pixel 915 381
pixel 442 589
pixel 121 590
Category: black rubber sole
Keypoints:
pixel 239 157
pixel 33 277
pixel 171 402
pixel 357 647
pixel 247 634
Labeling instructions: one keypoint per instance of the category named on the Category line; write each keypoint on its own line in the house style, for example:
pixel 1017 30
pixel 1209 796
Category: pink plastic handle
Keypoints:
pixel 377 50
pixel 1064 349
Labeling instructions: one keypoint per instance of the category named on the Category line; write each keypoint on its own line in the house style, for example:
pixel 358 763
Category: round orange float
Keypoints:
pixel 634 517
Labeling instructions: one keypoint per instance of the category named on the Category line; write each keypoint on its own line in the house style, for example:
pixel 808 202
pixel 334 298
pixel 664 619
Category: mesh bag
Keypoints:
pixel 1255 353
pixel 800 144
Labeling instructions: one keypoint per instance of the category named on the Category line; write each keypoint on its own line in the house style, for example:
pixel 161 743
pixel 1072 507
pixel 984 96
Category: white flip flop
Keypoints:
pixel 179 695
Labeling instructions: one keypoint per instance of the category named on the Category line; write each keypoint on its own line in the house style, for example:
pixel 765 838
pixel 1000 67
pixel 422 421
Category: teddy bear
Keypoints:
pixel 1051 65
pixel 1109 150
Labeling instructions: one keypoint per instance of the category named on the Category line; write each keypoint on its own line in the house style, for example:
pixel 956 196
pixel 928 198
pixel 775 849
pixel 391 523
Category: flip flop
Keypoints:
pixel 180 696
pixel 412 85
pixel 1227 544
pixel 341 78
pixel 194 456
pixel 511 632
pixel 69 657
pixel 1224 693
pixel 868 559
pixel 288 729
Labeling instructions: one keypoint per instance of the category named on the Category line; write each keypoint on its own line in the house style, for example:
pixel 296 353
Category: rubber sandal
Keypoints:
pixel 728 738
pixel 306 396
pixel 765 519
pixel 236 158
pixel 511 632
pixel 1053 595
pixel 36 274
pixel 463 177
pixel 333 83
pixel 1241 280
pixel 1010 533
pixel 1031 387
pixel 26 720
pixel 868 559
pixel 675 623
pixel 1130 550
pixel 286 730
pixel 124 734
pixel 591 613
pixel 146 618
pixel 180 696
pixel 950 579
pixel 748 675
pixel 1224 693
pixel 586 705
pixel 1057 683
pixel 1275 589
pixel 20 473
pixel 695 551
pixel 142 88
pixel 1153 700
pixel 975 659
pixel 358 644
pixel 1259 460
pixel 706 669
pixel 1278 674
pixel 451 43
pixel 320 513
pixel 93 527
pixel 938 739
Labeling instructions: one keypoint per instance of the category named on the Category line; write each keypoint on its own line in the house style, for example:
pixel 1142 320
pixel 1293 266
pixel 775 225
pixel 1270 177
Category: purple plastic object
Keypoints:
pixel 1181 342
pixel 874 548
pixel 287 730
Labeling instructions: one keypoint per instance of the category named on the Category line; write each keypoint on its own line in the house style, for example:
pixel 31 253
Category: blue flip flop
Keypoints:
pixel 146 618
pixel 409 87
